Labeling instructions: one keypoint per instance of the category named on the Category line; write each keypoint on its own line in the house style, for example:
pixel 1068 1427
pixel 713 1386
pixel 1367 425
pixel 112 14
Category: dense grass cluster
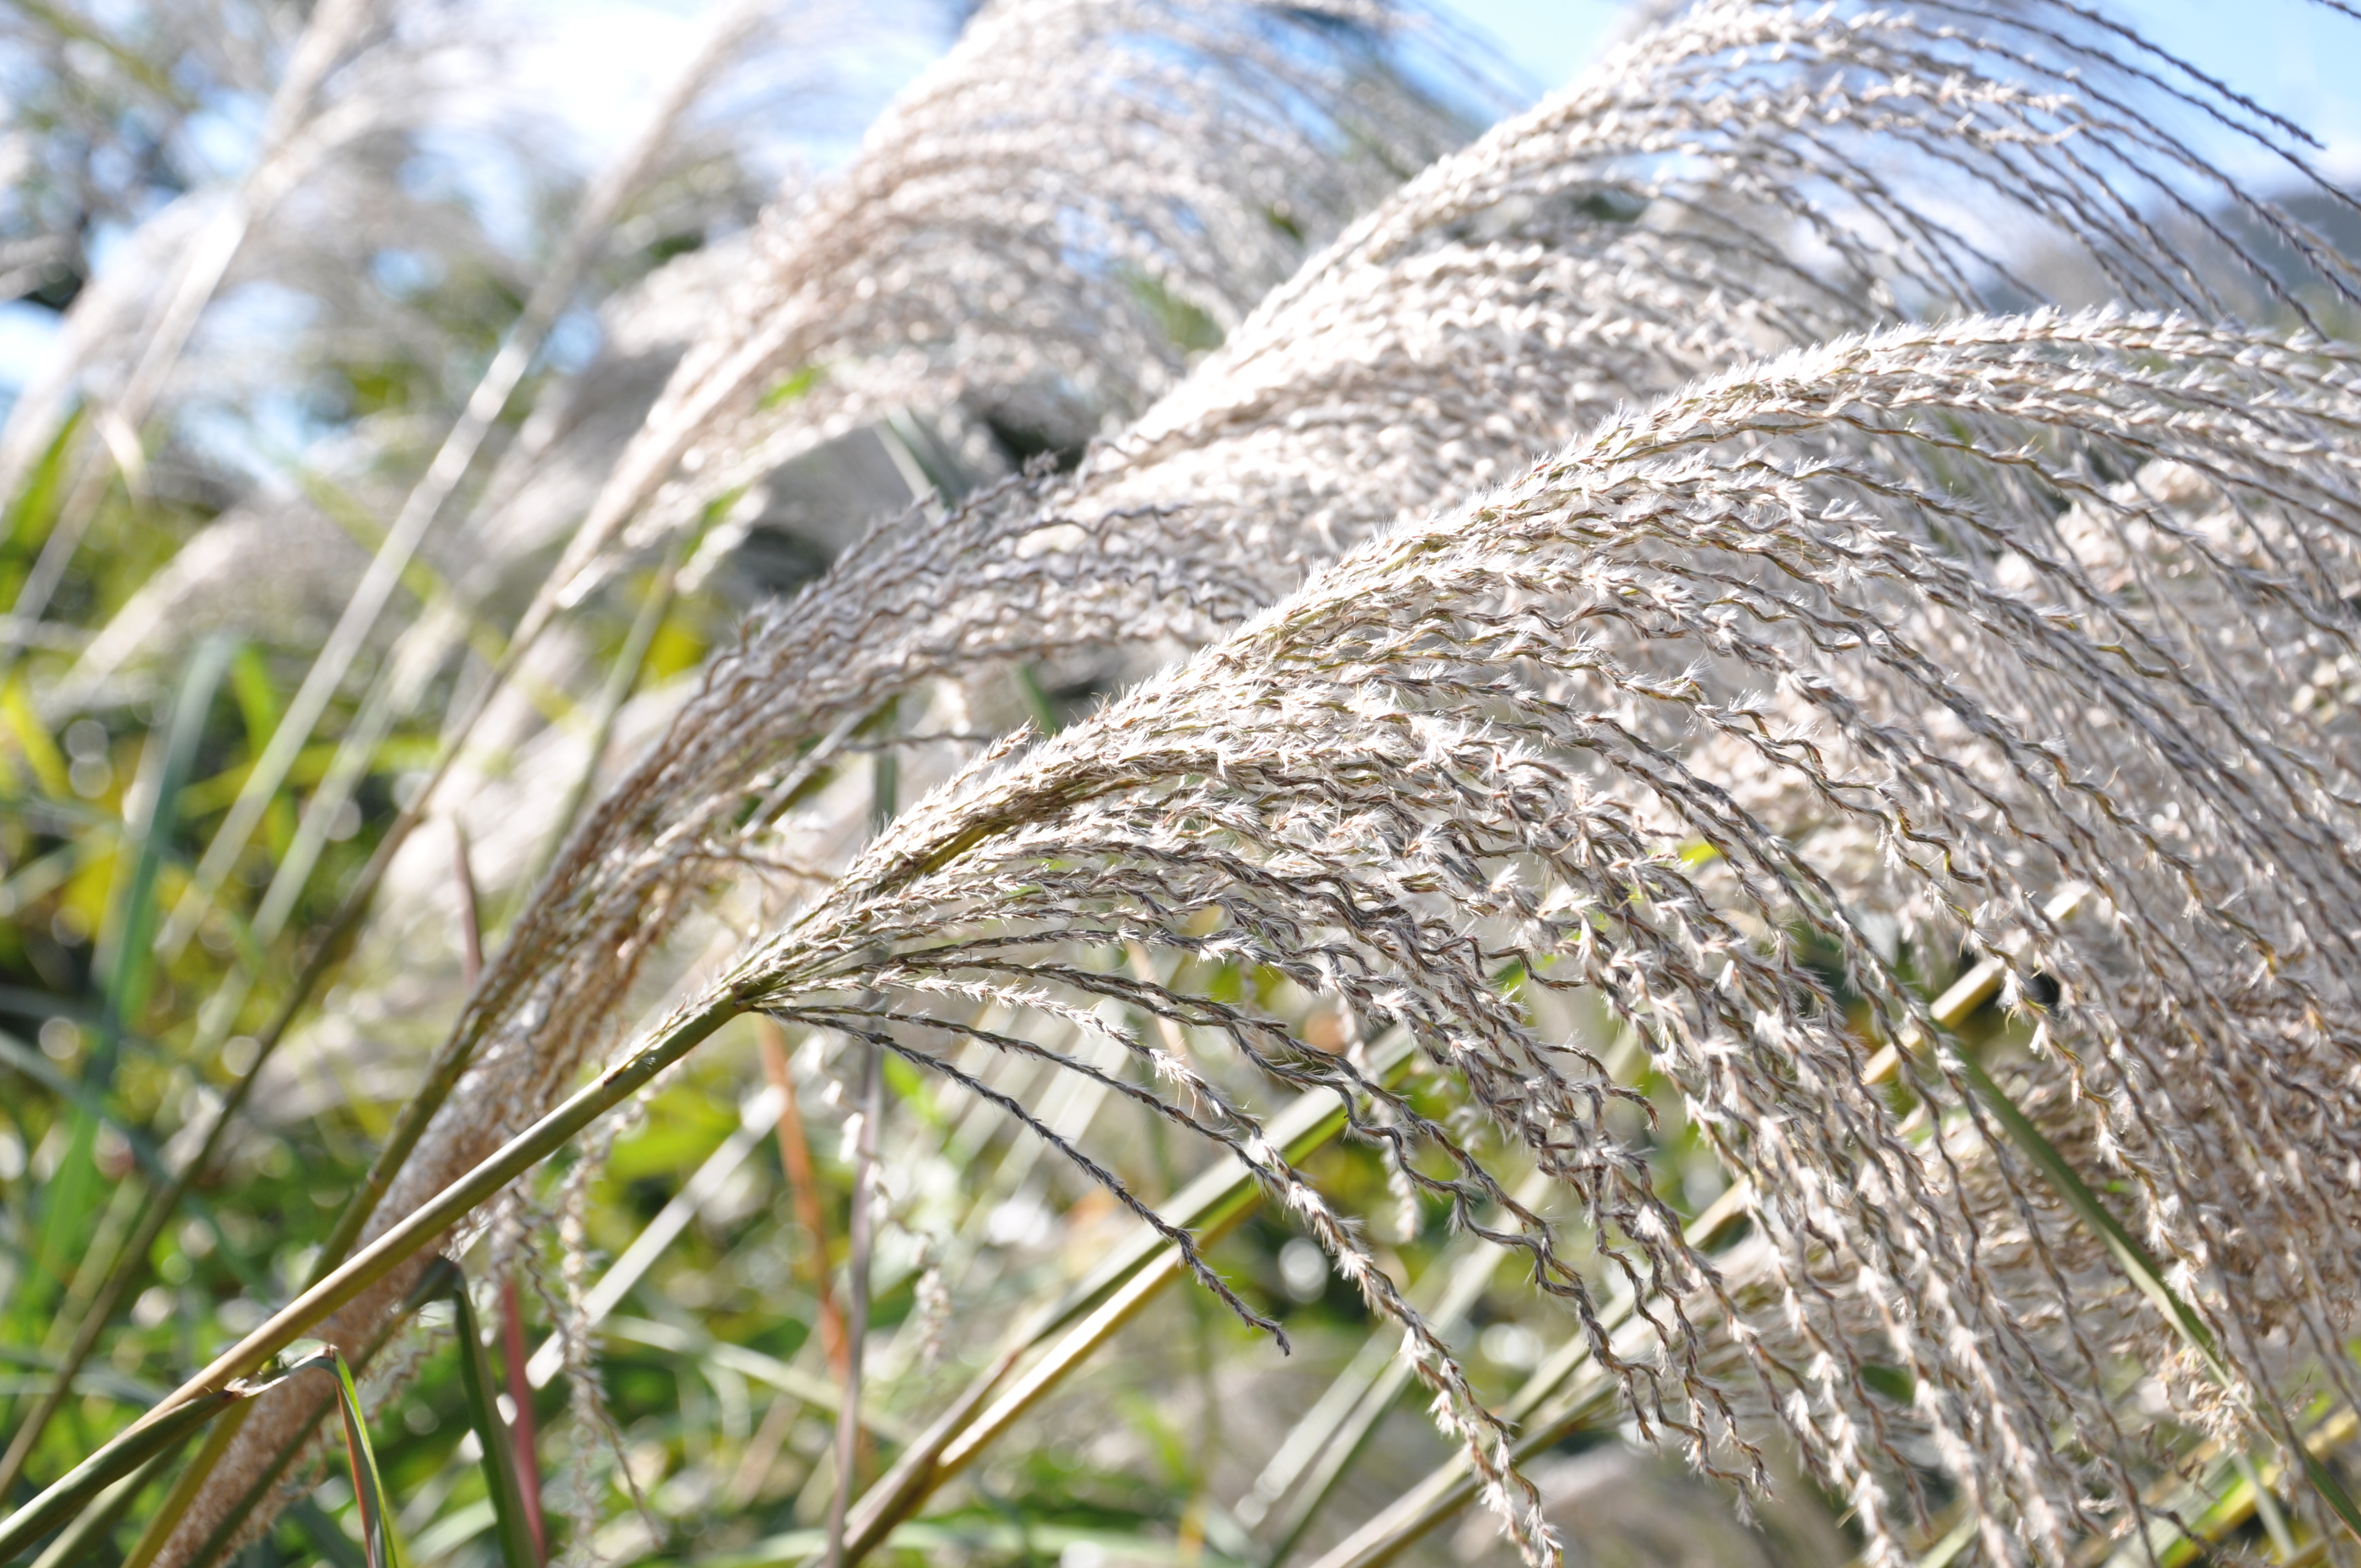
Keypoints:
pixel 1684 770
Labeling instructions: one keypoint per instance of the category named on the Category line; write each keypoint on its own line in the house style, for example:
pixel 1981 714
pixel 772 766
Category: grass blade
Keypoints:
pixel 24 1059
pixel 471 914
pixel 369 1487
pixel 2070 1186
pixel 518 1545
pixel 2135 1261
pixel 168 1516
pixel 31 513
pixel 127 993
pixel 74 1193
pixel 528 1455
pixel 2332 1491
pixel 579 250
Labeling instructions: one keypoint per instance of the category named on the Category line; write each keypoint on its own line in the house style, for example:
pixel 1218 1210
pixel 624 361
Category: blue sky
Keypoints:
pixel 1549 39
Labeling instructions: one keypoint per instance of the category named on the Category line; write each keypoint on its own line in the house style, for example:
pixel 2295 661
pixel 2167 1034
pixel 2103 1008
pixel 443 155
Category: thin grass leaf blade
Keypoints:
pixel 135 968
pixel 74 1193
pixel 2332 1491
pixel 2119 1242
pixel 34 508
pixel 35 747
pixel 512 1521
pixel 2136 1262
pixel 378 1534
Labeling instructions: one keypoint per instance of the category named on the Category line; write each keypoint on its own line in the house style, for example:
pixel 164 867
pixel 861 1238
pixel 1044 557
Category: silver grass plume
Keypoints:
pixel 1023 232
pixel 1551 239
pixel 1009 232
pixel 1862 631
pixel 1502 301
pixel 1018 58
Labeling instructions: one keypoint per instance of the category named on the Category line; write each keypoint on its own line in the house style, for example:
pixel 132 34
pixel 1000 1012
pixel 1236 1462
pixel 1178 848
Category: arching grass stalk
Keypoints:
pixel 326 952
pixel 449 1065
pixel 208 1392
pixel 89 1530
pixel 1635 308
pixel 160 1439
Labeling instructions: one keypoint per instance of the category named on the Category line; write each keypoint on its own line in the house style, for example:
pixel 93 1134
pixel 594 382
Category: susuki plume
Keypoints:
pixel 1861 629
pixel 1603 249
pixel 1924 622
pixel 1005 239
pixel 1022 228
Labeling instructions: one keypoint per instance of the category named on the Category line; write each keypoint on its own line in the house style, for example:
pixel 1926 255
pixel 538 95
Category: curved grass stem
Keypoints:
pixel 412 1234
